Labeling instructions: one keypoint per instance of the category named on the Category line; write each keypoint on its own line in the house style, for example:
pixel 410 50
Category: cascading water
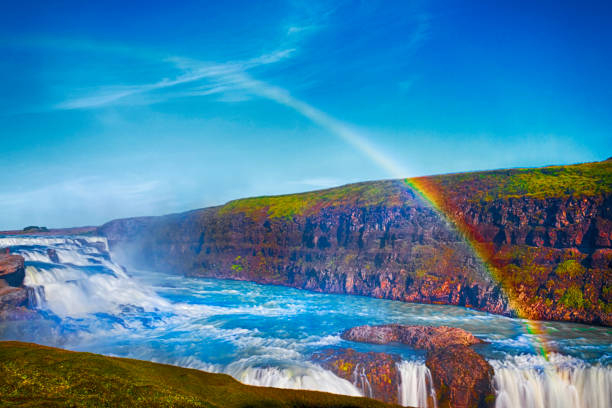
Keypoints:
pixel 416 387
pixel 265 335
pixel 81 279
pixel 562 382
pixel 305 377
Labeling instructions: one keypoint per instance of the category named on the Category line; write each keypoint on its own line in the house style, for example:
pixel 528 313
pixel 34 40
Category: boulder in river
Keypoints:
pixel 418 337
pixel 462 377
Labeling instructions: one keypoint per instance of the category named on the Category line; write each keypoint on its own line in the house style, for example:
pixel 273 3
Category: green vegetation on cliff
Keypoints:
pixel 35 376
pixel 366 194
pixel 587 179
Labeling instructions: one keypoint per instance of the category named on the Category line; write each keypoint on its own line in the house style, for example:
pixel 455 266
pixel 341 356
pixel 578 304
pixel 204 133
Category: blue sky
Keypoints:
pixel 113 109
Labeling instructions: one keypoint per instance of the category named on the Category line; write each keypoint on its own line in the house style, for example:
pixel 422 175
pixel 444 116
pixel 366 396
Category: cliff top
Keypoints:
pixel 366 194
pixel 584 179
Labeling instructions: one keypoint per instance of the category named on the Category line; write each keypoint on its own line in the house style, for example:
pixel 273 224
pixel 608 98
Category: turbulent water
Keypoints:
pixel 264 335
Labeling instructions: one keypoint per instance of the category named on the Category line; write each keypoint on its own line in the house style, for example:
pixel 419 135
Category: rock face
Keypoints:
pixel 52 253
pixel 13 296
pixel 376 374
pixel 12 270
pixel 419 337
pixel 462 378
pixel 534 242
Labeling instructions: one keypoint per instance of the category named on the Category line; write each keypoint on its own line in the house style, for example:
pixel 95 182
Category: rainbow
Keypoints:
pixel 422 185
pixel 433 194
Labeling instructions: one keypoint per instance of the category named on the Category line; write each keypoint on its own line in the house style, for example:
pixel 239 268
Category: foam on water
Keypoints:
pixel 295 376
pixel 562 382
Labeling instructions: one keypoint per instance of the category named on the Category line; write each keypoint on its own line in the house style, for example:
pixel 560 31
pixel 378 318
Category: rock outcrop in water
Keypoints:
pixel 13 296
pixel 534 242
pixel 418 337
pixel 462 378
pixel 376 374
pixel 12 269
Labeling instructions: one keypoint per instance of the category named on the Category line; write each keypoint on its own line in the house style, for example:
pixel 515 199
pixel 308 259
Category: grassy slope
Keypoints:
pixel 365 194
pixel 554 181
pixel 36 376
pixel 586 179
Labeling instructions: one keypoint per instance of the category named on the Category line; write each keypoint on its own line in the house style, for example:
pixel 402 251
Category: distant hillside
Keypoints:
pixel 32 230
pixel 36 376
pixel 537 242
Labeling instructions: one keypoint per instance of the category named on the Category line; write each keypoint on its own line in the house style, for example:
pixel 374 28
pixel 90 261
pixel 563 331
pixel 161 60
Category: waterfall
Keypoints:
pixel 73 277
pixel 416 385
pixel 562 382
pixel 299 376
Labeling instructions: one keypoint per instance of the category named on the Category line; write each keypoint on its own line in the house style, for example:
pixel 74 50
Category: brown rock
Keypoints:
pixel 376 374
pixel 13 302
pixel 462 378
pixel 12 269
pixel 11 296
pixel 420 337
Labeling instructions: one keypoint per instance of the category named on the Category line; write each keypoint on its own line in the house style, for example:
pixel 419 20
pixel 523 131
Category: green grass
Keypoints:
pixel 573 298
pixel 365 194
pixel 570 269
pixel 38 376
pixel 587 179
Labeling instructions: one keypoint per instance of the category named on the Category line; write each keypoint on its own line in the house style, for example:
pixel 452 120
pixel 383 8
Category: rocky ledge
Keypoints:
pixel 419 337
pixel 13 295
pixel 376 374
pixel 462 378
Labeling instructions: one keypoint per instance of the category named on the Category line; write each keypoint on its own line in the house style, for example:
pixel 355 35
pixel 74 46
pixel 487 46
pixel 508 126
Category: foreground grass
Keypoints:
pixel 38 376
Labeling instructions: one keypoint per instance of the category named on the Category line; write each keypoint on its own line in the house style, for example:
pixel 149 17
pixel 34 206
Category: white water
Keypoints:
pixel 305 377
pixel 416 384
pixel 85 281
pixel 562 382
pixel 264 335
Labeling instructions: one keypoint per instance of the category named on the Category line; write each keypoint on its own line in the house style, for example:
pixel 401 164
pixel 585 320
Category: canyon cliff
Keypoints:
pixel 530 242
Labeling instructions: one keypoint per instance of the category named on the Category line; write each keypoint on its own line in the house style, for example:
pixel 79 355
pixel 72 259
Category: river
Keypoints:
pixel 265 335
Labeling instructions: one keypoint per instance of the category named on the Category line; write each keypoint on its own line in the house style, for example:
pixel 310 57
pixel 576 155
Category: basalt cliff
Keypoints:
pixel 530 242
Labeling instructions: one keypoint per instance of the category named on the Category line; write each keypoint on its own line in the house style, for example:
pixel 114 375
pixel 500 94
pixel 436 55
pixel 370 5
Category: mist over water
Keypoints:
pixel 265 335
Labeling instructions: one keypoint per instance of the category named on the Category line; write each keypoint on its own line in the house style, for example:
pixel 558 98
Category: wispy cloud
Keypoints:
pixel 233 81
pixel 230 80
pixel 221 76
